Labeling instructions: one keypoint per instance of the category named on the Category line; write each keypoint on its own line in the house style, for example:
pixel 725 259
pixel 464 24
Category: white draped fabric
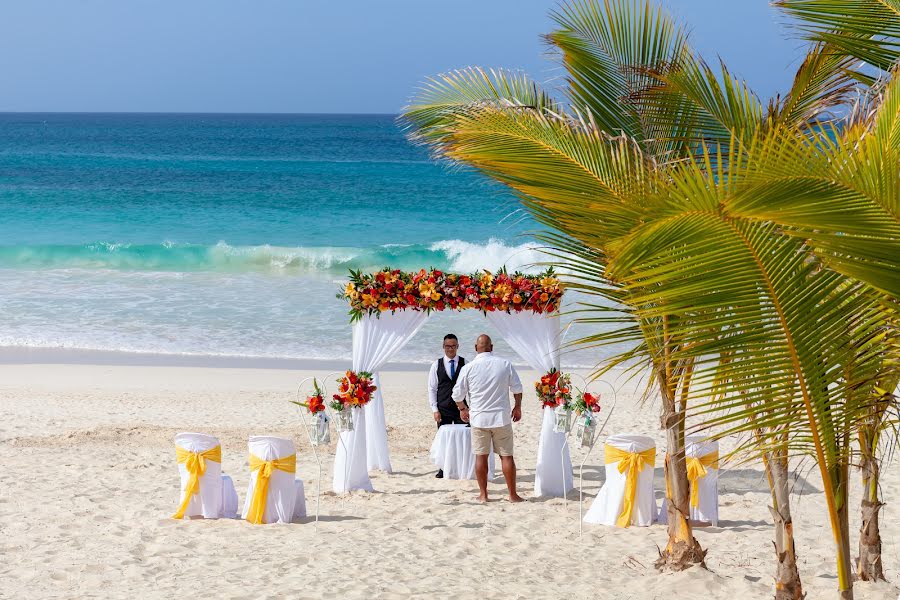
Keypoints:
pixel 537 339
pixel 375 340
pixel 350 470
pixel 451 451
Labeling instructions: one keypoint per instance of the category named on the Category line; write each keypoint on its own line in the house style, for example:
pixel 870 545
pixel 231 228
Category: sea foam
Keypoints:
pixel 168 256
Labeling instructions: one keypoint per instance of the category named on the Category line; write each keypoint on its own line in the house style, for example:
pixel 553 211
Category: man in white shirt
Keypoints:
pixel 442 377
pixel 486 383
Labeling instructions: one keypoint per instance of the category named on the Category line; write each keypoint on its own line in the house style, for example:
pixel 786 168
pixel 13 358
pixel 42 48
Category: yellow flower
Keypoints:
pixel 350 289
pixel 549 282
pixel 435 296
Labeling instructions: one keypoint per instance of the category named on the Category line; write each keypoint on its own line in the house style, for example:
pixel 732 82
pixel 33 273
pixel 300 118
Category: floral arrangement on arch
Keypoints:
pixel 554 390
pixel 393 289
pixel 316 402
pixel 354 390
pixel 587 402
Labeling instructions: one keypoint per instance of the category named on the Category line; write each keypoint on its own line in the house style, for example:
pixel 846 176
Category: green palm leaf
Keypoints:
pixel 865 29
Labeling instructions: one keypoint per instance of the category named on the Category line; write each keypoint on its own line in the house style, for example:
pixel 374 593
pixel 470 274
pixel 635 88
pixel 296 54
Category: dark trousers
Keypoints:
pixel 450 415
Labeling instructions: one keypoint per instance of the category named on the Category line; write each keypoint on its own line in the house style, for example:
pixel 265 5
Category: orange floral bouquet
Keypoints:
pixel 354 390
pixel 587 402
pixel 554 390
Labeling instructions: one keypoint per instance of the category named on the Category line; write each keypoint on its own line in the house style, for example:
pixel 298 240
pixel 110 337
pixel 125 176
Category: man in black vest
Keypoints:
pixel 441 379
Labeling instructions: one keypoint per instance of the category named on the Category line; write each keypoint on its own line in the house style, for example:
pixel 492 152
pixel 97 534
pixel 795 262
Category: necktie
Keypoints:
pixel 452 368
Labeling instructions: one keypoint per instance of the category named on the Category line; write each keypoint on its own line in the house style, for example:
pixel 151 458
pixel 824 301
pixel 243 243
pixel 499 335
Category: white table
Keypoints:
pixel 451 451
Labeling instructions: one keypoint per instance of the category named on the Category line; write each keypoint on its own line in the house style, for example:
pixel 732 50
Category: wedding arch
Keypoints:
pixel 387 308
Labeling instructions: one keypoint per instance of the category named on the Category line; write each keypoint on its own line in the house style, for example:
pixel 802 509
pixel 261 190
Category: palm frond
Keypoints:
pixel 442 97
pixel 868 30
pixel 609 50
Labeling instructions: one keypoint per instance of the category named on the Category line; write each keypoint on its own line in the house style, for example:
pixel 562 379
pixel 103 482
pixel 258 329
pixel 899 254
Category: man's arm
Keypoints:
pixel 515 386
pixel 432 391
pixel 517 409
pixel 460 391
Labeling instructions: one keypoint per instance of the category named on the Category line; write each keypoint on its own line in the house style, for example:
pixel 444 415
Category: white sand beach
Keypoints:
pixel 88 481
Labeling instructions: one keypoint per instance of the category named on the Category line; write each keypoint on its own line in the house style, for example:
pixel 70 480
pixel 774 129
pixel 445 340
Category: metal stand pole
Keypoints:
pixel 315 448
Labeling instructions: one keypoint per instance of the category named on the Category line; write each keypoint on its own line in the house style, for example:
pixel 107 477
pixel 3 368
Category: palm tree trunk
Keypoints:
pixel 868 564
pixel 845 571
pixel 787 576
pixel 682 550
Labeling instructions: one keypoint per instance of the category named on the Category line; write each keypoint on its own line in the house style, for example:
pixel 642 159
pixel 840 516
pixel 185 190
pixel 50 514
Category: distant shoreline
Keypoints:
pixel 23 355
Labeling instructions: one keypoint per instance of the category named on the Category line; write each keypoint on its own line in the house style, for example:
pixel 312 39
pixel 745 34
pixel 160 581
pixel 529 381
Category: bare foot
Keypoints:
pixel 483 498
pixel 516 498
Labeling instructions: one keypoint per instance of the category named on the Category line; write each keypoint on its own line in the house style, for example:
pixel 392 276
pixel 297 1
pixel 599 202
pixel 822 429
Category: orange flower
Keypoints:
pixel 315 404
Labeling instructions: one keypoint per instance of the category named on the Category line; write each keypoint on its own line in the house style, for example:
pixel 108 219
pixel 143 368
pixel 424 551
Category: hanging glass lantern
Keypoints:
pixel 344 420
pixel 584 430
pixel 319 430
pixel 563 420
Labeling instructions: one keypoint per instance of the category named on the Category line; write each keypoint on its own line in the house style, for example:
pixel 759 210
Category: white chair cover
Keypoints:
pixel 697 446
pixel 285 500
pixel 375 340
pixel 608 504
pixel 451 451
pixel 217 497
pixel 537 338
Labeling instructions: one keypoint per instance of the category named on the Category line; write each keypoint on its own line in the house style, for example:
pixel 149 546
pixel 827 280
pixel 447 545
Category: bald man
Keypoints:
pixel 486 383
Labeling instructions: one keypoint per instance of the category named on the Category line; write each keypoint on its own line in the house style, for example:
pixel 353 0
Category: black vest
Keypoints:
pixel 445 384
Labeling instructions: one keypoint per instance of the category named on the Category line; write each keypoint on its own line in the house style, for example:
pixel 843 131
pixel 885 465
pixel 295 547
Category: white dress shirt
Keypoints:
pixel 486 383
pixel 433 380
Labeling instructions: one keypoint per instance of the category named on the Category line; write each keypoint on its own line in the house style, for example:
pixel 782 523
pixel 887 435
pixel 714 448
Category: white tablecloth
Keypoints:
pixel 451 451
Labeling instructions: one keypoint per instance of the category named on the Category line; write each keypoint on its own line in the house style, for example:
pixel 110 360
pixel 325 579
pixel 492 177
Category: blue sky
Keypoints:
pixel 358 56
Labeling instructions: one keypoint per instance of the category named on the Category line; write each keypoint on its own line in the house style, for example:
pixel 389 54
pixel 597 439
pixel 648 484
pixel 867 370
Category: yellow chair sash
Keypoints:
pixel 696 470
pixel 288 464
pixel 631 464
pixel 195 464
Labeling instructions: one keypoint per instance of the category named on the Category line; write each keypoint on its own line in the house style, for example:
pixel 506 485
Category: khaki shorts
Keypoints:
pixel 501 437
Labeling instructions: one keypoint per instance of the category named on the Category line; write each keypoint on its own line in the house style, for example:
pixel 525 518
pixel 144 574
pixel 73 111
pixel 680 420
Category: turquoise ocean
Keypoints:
pixel 229 235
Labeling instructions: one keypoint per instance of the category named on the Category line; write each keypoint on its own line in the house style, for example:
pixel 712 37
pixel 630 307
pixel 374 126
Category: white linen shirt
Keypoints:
pixel 433 380
pixel 487 382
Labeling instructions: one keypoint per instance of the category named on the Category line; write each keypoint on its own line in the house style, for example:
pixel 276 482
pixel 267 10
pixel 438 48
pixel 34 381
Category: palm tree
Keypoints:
pixel 869 32
pixel 657 168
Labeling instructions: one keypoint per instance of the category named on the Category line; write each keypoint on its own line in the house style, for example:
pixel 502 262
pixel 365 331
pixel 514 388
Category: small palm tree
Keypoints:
pixel 869 32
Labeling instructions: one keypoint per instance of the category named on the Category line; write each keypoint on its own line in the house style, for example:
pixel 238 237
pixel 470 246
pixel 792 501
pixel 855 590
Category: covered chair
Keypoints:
pixel 626 497
pixel 274 494
pixel 702 457
pixel 205 492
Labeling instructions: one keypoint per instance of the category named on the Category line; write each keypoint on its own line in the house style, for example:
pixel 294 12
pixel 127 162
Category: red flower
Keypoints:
pixel 315 404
